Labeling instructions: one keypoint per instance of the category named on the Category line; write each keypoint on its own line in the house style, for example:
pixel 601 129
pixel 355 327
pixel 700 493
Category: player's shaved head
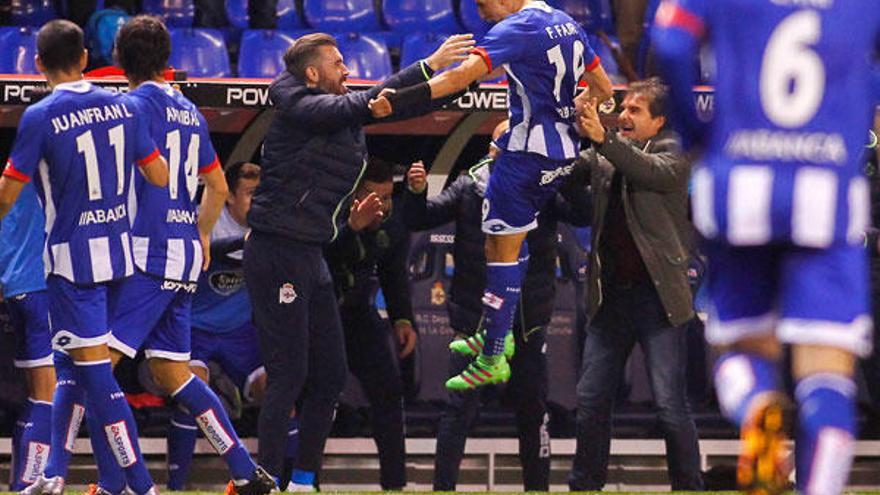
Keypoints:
pixel 143 46
pixel 60 46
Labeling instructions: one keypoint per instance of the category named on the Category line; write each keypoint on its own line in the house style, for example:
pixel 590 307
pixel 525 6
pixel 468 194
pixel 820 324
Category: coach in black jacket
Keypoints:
pixel 313 157
pixel 462 202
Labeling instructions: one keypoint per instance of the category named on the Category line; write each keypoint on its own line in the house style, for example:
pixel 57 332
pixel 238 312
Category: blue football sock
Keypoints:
pixel 114 420
pixel 181 444
pixel 826 429
pixel 15 482
pixel 68 411
pixel 111 477
pixel 523 260
pixel 300 477
pixel 34 444
pixel 739 378
pixel 292 439
pixel 499 301
pixel 212 419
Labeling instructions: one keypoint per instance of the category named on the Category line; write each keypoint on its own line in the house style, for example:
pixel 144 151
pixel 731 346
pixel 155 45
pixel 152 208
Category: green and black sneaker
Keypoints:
pixel 473 345
pixel 485 370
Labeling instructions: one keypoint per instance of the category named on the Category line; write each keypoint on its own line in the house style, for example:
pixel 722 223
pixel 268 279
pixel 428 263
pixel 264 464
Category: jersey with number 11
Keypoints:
pixel 165 233
pixel 79 145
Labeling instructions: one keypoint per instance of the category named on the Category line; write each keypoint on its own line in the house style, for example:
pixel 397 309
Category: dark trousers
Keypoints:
pixel 212 13
pixel 372 360
pixel 627 316
pixel 528 392
pixel 301 340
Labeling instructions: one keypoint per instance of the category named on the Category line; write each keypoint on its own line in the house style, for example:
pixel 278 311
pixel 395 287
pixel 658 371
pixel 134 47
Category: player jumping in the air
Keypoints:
pixel 545 54
pixel 78 145
pixel 782 201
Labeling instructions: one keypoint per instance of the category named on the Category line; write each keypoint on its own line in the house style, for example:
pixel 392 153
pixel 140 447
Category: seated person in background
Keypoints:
pixel 462 203
pixel 373 241
pixel 222 330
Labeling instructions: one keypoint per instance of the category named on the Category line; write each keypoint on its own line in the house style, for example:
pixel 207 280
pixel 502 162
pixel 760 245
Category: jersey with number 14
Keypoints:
pixel 545 53
pixel 165 233
pixel 793 105
pixel 79 145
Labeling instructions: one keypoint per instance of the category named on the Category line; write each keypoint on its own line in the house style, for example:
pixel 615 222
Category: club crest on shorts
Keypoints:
pixel 286 294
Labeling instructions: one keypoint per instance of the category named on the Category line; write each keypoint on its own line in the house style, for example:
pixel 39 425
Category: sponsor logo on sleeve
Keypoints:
pixel 214 432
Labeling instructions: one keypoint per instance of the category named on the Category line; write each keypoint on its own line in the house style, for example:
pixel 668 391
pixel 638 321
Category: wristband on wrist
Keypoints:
pixel 412 96
pixel 427 71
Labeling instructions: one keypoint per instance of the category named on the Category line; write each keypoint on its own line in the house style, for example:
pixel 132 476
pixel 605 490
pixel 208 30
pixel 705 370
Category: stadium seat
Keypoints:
pixel 419 45
pixel 471 20
pixel 420 15
pixel 288 16
pixel 262 52
pixel 32 12
pixel 18 46
pixel 341 15
pixel 366 56
pixel 200 52
pixel 175 13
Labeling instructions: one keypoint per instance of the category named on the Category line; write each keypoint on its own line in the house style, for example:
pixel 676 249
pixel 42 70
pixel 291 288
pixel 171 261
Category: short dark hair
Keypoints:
pixel 303 52
pixel 143 46
pixel 654 91
pixel 60 45
pixel 239 171
pixel 378 170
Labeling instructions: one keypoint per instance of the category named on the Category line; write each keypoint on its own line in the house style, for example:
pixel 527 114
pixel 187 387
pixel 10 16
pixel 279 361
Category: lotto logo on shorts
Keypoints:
pixel 76 419
pixel 37 455
pixel 493 301
pixel 120 443
pixel 214 432
pixel 286 294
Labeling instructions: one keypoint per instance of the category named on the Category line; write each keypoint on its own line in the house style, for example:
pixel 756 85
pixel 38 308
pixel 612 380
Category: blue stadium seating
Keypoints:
pixel 420 15
pixel 288 16
pixel 18 46
pixel 32 12
pixel 471 20
pixel 341 15
pixel 366 56
pixel 200 52
pixel 176 13
pixel 262 52
pixel 419 45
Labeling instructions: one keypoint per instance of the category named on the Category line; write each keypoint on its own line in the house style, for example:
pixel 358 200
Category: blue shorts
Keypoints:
pixel 520 185
pixel 237 352
pixel 29 315
pixel 802 295
pixel 153 314
pixel 78 314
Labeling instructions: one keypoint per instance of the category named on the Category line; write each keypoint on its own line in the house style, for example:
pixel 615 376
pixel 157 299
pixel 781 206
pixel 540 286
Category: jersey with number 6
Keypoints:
pixel 545 53
pixel 78 145
pixel 793 104
pixel 165 233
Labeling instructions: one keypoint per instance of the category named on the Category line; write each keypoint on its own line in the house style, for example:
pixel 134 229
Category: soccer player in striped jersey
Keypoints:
pixel 171 246
pixel 78 145
pixel 545 54
pixel 781 198
pixel 23 283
